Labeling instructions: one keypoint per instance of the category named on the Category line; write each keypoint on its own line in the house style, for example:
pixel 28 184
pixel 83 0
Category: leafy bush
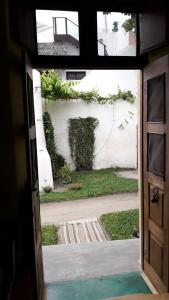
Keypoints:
pixel 75 186
pixel 81 141
pixel 130 24
pixel 54 88
pixel 65 174
pixel 57 160
pixel 47 189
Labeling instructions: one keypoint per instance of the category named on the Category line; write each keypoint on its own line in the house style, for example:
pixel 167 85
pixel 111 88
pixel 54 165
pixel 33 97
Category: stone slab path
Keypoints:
pixel 81 231
pixel 59 212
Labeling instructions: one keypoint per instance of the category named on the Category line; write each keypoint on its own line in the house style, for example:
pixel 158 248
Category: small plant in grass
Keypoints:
pixel 47 189
pixel 75 186
pixel 49 235
pixel 65 174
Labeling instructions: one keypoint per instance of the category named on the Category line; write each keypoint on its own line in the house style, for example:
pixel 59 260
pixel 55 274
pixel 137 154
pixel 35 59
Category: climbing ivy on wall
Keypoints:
pixel 57 160
pixel 54 88
pixel 81 141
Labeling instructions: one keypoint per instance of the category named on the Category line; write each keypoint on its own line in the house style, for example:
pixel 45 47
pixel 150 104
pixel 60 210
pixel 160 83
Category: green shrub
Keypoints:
pixel 57 160
pixel 130 24
pixel 81 141
pixel 54 88
pixel 65 174
pixel 47 189
pixel 75 186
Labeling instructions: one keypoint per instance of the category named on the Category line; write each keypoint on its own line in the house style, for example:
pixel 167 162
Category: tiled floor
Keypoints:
pixel 98 288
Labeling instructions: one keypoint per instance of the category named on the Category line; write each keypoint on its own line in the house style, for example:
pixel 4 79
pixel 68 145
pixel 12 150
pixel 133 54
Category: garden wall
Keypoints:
pixel 115 136
pixel 44 161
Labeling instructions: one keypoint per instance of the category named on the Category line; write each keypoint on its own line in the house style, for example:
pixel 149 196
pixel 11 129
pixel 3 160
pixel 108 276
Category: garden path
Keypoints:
pixel 58 212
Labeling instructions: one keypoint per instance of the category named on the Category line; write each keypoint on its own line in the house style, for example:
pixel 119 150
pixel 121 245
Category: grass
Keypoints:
pixel 49 235
pixel 120 225
pixel 93 184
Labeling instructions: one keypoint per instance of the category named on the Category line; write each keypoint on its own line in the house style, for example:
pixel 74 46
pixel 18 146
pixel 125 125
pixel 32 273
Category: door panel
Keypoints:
pixel 156 250
pixel 153 31
pixel 33 179
pixel 156 207
pixel 155 149
pixel 156 173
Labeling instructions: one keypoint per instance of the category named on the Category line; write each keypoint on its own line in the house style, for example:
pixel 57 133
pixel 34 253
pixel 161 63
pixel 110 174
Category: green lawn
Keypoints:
pixel 120 225
pixel 94 183
pixel 49 235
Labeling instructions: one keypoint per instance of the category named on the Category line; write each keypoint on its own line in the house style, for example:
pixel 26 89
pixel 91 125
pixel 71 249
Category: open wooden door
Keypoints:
pixel 33 181
pixel 155 171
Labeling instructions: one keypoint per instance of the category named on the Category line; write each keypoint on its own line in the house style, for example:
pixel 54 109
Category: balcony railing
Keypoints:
pixel 63 25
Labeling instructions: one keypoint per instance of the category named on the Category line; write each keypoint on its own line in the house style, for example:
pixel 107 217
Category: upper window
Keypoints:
pixel 75 75
pixel 116 34
pixel 57 32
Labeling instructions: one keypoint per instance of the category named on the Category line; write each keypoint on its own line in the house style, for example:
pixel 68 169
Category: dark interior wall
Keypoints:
pixel 16 244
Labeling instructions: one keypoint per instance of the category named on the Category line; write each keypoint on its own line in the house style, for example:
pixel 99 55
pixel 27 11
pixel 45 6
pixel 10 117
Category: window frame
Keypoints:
pixel 89 58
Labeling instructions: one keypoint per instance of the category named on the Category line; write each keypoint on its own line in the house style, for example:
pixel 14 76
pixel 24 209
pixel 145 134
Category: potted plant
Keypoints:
pixel 115 28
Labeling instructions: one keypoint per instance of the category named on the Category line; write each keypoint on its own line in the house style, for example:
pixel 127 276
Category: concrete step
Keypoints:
pixel 142 297
pixel 90 260
pixel 82 231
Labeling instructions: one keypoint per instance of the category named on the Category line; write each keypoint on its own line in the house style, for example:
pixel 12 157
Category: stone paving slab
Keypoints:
pixel 82 231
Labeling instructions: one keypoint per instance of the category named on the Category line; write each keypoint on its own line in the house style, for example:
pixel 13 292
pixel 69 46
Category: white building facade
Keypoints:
pixel 115 135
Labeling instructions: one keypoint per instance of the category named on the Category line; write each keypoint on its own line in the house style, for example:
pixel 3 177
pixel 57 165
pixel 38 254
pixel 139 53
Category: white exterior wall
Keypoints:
pixel 113 146
pixel 117 43
pixel 44 162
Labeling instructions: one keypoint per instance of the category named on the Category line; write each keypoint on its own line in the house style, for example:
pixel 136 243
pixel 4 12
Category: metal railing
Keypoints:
pixel 63 25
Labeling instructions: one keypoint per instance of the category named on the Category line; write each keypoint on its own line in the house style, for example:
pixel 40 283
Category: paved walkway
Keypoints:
pixel 132 174
pixel 76 261
pixel 58 212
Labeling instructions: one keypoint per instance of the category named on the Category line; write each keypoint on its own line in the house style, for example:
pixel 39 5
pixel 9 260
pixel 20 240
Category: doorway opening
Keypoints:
pixel 90 207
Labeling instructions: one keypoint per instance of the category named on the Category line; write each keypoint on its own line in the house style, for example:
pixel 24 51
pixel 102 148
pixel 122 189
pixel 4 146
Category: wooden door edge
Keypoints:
pixel 148 282
pixel 44 297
